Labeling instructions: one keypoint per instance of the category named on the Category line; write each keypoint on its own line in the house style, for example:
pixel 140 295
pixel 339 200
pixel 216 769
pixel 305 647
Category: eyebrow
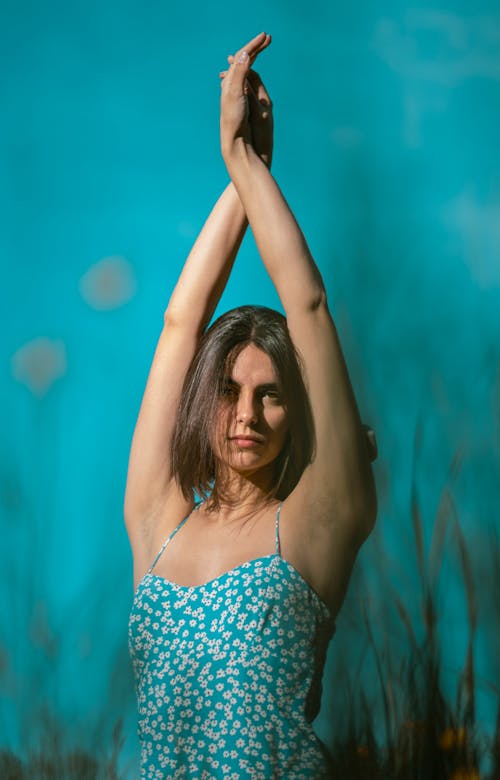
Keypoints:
pixel 266 386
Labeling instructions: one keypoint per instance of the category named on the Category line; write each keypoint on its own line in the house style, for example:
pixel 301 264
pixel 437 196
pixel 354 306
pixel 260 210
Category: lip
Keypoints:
pixel 246 441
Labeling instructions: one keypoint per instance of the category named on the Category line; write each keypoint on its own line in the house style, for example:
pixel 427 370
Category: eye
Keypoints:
pixel 271 396
pixel 229 390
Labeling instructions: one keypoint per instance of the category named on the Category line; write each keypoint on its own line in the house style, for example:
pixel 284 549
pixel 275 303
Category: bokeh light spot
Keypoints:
pixel 108 284
pixel 38 364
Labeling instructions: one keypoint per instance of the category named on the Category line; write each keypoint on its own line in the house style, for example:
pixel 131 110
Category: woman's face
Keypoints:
pixel 252 420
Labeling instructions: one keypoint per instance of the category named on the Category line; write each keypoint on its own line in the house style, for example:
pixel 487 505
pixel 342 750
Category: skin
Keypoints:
pixel 332 509
pixel 253 410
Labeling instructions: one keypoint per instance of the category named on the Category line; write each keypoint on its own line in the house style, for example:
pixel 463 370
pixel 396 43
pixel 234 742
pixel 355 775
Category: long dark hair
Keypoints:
pixel 194 464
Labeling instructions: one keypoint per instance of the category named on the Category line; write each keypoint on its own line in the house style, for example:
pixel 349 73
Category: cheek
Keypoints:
pixel 278 422
pixel 220 428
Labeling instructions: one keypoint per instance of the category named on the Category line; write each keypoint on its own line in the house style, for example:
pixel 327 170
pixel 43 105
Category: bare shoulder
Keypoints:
pixel 146 534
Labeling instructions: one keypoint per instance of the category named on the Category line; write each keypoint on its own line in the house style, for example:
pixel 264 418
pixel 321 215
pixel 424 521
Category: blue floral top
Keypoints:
pixel 228 673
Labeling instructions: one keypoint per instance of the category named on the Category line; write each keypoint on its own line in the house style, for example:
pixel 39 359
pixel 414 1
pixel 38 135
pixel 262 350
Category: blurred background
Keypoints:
pixel 386 146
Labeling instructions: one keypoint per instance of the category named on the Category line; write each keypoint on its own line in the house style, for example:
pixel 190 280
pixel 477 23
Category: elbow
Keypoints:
pixel 317 302
pixel 171 319
pixel 310 301
pixel 175 321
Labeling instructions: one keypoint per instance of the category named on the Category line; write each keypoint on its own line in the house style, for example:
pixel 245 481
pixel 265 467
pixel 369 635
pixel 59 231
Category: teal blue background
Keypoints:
pixel 387 126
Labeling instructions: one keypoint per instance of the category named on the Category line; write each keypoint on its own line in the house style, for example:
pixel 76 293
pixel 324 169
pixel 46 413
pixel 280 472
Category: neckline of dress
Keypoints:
pixel 211 583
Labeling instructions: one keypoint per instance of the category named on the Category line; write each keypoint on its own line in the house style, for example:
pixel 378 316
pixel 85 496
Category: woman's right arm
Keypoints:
pixel 149 482
pixel 150 487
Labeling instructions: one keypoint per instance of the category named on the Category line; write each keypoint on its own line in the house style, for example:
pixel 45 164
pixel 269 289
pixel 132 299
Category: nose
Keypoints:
pixel 246 409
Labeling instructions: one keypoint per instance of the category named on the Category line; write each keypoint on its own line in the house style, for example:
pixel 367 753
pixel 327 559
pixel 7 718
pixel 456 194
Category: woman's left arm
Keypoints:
pixel 339 482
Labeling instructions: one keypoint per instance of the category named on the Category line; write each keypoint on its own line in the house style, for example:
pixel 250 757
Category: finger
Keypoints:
pixel 235 78
pixel 258 109
pixel 258 87
pixel 253 54
pixel 254 106
pixel 371 442
pixel 254 47
pixel 261 48
pixel 236 75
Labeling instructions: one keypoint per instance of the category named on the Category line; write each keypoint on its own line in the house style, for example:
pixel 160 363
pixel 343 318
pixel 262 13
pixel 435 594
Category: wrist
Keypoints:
pixel 234 150
pixel 236 155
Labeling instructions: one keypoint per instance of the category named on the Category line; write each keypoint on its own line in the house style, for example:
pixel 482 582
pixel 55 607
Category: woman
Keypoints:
pixel 232 616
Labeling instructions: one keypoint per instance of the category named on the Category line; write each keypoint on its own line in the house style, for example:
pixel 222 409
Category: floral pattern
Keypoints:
pixel 228 674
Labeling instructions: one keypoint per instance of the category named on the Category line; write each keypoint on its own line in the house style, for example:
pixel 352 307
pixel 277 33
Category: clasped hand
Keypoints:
pixel 246 108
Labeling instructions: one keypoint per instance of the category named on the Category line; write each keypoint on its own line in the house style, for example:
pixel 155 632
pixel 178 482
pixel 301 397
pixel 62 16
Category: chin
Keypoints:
pixel 248 466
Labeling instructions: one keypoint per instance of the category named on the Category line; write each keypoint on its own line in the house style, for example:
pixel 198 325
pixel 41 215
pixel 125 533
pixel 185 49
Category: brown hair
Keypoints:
pixel 194 463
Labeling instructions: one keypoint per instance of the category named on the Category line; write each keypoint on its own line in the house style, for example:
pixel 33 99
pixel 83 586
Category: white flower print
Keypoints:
pixel 223 672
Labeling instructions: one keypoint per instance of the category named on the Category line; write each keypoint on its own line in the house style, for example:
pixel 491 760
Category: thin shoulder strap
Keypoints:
pixel 171 536
pixel 278 548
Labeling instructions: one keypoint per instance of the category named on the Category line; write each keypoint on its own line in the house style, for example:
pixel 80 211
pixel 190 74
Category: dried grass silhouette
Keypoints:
pixel 425 736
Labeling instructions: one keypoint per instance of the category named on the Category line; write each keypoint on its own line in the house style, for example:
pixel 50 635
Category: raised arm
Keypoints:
pixel 337 488
pixel 150 488
pixel 191 305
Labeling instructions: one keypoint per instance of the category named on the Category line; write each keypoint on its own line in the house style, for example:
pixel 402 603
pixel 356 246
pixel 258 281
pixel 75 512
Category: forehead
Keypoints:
pixel 253 366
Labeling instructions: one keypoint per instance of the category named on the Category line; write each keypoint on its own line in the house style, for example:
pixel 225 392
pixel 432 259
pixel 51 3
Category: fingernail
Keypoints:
pixel 242 59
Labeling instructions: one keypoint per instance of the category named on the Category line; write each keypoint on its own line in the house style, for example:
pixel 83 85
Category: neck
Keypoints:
pixel 242 494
